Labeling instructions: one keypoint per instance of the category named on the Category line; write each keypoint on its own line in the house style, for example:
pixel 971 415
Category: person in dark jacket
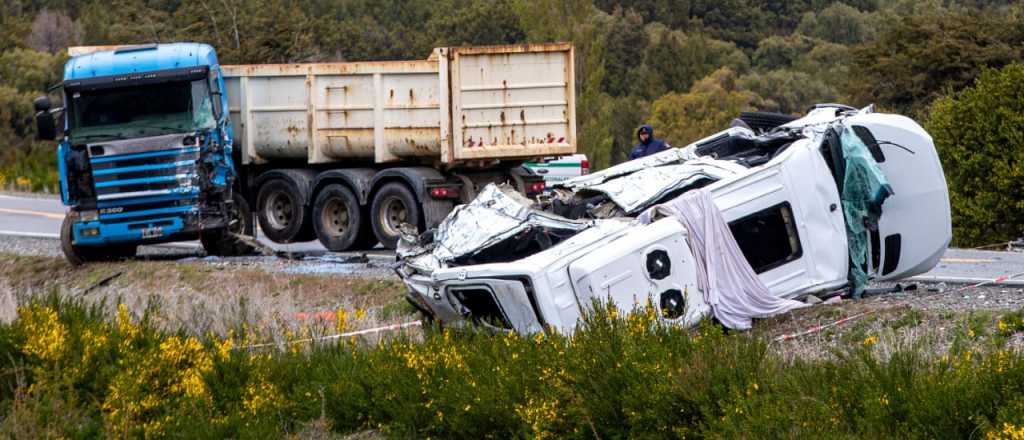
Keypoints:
pixel 648 145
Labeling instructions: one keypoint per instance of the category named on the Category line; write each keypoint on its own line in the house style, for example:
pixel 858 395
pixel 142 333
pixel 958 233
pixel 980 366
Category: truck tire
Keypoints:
pixel 223 242
pixel 765 121
pixel 393 204
pixel 339 221
pixel 79 255
pixel 282 212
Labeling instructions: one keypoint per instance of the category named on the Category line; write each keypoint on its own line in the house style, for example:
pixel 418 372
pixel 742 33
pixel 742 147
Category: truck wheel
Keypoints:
pixel 338 219
pixel 79 255
pixel 282 213
pixel 392 206
pixel 224 242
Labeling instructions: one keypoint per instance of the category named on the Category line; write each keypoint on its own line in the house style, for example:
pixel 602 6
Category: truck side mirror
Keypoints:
pixel 46 127
pixel 216 94
pixel 42 104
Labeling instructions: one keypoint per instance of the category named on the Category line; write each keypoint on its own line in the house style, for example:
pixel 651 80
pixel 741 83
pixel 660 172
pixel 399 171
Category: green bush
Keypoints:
pixel 73 372
pixel 979 133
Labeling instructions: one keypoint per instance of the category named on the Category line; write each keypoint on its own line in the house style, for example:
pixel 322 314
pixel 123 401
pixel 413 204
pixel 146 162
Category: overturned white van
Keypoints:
pixel 510 263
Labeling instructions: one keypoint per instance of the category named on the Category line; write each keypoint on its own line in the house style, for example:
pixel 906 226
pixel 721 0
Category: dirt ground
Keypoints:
pixel 931 315
pixel 208 296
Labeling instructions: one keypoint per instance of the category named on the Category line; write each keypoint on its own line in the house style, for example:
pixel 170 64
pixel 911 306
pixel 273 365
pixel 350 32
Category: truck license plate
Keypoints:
pixel 153 232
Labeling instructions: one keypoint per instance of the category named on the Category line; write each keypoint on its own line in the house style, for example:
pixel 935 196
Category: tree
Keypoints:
pixel 707 108
pixel 781 52
pixel 52 31
pixel 28 71
pixel 838 23
pixel 978 132
pixel 12 31
pixel 827 62
pixel 917 58
pixel 676 59
pixel 477 22
pixel 274 31
pixel 788 91
pixel 593 114
pixel 625 43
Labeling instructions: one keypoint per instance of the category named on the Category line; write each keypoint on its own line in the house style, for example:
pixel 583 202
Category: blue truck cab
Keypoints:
pixel 146 152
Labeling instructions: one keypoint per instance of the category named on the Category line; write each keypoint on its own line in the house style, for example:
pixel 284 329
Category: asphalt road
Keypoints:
pixel 40 216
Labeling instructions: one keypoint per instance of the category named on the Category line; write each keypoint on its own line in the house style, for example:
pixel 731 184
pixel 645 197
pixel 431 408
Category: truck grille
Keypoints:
pixel 143 186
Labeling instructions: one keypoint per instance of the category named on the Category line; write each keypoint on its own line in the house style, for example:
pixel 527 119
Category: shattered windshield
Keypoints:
pixel 140 111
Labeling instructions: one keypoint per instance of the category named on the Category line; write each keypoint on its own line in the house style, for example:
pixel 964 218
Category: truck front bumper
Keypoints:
pixel 150 231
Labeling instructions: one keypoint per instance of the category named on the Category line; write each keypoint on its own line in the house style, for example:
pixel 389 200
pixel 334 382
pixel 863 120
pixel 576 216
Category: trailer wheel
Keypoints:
pixel 339 221
pixel 393 205
pixel 224 242
pixel 79 255
pixel 282 214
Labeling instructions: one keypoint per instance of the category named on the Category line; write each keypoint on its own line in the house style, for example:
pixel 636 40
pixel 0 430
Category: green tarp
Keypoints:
pixel 864 190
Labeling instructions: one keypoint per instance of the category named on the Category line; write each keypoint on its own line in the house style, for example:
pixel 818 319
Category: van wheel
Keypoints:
pixel 765 121
pixel 282 214
pixel 393 205
pixel 224 242
pixel 339 221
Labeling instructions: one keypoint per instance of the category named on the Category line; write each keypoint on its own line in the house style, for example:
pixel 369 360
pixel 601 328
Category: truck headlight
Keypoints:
pixel 90 215
pixel 90 232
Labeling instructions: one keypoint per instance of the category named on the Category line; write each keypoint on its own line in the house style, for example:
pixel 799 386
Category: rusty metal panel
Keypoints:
pixel 344 117
pixel 462 103
pixel 512 101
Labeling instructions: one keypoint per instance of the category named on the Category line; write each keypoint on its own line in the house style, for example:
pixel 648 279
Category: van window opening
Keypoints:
pixel 768 238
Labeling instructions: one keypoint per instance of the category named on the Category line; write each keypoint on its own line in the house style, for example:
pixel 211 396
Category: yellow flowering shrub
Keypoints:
pixel 1008 432
pixel 153 380
pixel 46 335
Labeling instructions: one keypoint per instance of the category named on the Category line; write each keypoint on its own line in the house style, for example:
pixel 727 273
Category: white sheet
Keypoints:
pixel 730 285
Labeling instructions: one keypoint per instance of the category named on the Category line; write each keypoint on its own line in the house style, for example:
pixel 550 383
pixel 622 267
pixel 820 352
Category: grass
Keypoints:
pixel 73 371
pixel 198 298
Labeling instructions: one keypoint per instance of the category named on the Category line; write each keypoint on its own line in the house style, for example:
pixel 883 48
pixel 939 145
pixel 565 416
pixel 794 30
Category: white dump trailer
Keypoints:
pixel 463 103
pixel 347 152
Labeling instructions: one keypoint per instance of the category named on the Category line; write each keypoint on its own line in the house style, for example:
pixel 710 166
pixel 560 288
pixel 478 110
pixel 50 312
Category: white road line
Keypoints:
pixel 49 215
pixel 49 235
pixel 30 234
pixel 962 280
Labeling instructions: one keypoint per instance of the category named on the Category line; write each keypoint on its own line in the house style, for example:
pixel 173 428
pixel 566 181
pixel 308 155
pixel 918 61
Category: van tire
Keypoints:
pixel 765 121
pixel 338 220
pixel 393 204
pixel 282 213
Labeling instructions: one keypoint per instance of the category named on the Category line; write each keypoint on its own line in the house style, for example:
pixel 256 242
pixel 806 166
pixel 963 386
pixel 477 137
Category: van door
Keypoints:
pixel 787 220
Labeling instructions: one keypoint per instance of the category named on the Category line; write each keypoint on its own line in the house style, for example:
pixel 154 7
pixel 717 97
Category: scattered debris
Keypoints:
pixel 819 328
pixel 101 282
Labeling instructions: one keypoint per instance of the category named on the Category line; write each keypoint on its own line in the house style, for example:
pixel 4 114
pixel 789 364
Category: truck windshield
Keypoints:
pixel 140 111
